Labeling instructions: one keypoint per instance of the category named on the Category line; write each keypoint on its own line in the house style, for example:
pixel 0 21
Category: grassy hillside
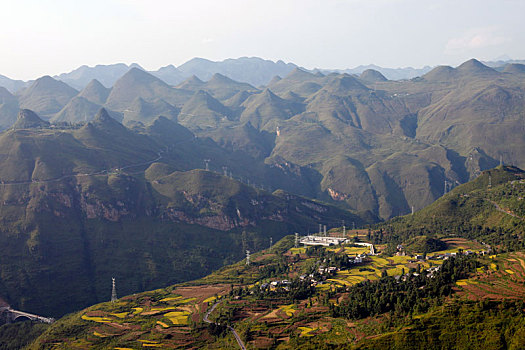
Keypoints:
pixel 286 298
pixel 435 312
pixel 488 209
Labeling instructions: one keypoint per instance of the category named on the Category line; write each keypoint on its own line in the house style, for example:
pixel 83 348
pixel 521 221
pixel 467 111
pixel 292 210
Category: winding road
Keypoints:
pixel 235 334
pixel 498 208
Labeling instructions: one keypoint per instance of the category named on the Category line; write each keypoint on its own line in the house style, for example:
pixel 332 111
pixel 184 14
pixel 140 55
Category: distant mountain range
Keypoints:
pixel 86 171
pixel 86 203
pixel 252 70
pixel 363 142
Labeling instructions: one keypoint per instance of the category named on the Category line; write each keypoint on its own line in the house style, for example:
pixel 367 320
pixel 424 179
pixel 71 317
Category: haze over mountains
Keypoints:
pixel 251 70
pixel 105 165
pixel 399 140
pixel 82 204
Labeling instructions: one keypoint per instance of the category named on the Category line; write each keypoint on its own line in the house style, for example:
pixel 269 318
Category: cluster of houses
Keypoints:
pixel 323 272
pixel 285 284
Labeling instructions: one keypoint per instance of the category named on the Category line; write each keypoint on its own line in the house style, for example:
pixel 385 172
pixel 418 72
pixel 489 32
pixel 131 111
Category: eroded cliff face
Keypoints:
pixel 82 231
pixel 192 209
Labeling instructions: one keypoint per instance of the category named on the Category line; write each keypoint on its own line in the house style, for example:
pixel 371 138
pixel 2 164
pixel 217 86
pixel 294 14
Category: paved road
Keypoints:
pixel 235 334
pixel 498 208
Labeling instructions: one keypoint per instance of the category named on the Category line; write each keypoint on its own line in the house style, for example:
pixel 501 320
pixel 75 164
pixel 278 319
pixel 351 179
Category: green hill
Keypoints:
pixel 46 96
pixel 315 298
pixel 399 140
pixel 488 209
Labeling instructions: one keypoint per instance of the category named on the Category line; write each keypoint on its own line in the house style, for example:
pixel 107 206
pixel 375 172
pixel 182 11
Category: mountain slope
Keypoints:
pixel 252 70
pixel 203 111
pixel 138 83
pixel 46 96
pixel 487 209
pixel 95 92
pixel 82 204
pixel 106 74
pixel 316 297
pixel 8 108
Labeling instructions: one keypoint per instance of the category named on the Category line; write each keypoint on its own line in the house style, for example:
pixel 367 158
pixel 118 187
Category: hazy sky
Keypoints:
pixel 39 37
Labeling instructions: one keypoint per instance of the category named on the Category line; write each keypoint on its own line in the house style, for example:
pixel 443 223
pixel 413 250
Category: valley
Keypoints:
pixel 169 183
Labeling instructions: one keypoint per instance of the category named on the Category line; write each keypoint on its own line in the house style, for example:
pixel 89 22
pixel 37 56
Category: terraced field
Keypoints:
pixel 503 279
pixel 172 318
pixel 158 319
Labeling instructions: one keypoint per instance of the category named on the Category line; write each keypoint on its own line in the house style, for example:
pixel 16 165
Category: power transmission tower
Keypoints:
pixel 344 229
pixel 445 189
pixel 271 243
pixel 225 170
pixel 325 230
pixel 207 161
pixel 247 257
pixel 320 229
pixel 244 244
pixel 500 160
pixel 490 181
pixel 113 290
pixel 412 210
pixel 296 245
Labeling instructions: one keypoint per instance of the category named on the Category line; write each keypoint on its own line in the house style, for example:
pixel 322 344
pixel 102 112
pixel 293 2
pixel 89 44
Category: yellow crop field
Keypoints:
pixel 185 301
pixel 120 314
pixel 436 262
pixel 300 250
pixel 172 298
pixel 493 266
pixel 356 250
pixel 153 345
pixel 178 317
pixel 96 319
pixel 380 262
pixel 355 279
pixel 150 343
pixel 510 272
pixel 159 309
pixel 400 259
pixel 397 271
pixel 209 300
pixel 97 334
pixel 289 310
pixel 323 286
pixel 164 325
pixel 137 311
pixel 343 282
pixel 305 331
